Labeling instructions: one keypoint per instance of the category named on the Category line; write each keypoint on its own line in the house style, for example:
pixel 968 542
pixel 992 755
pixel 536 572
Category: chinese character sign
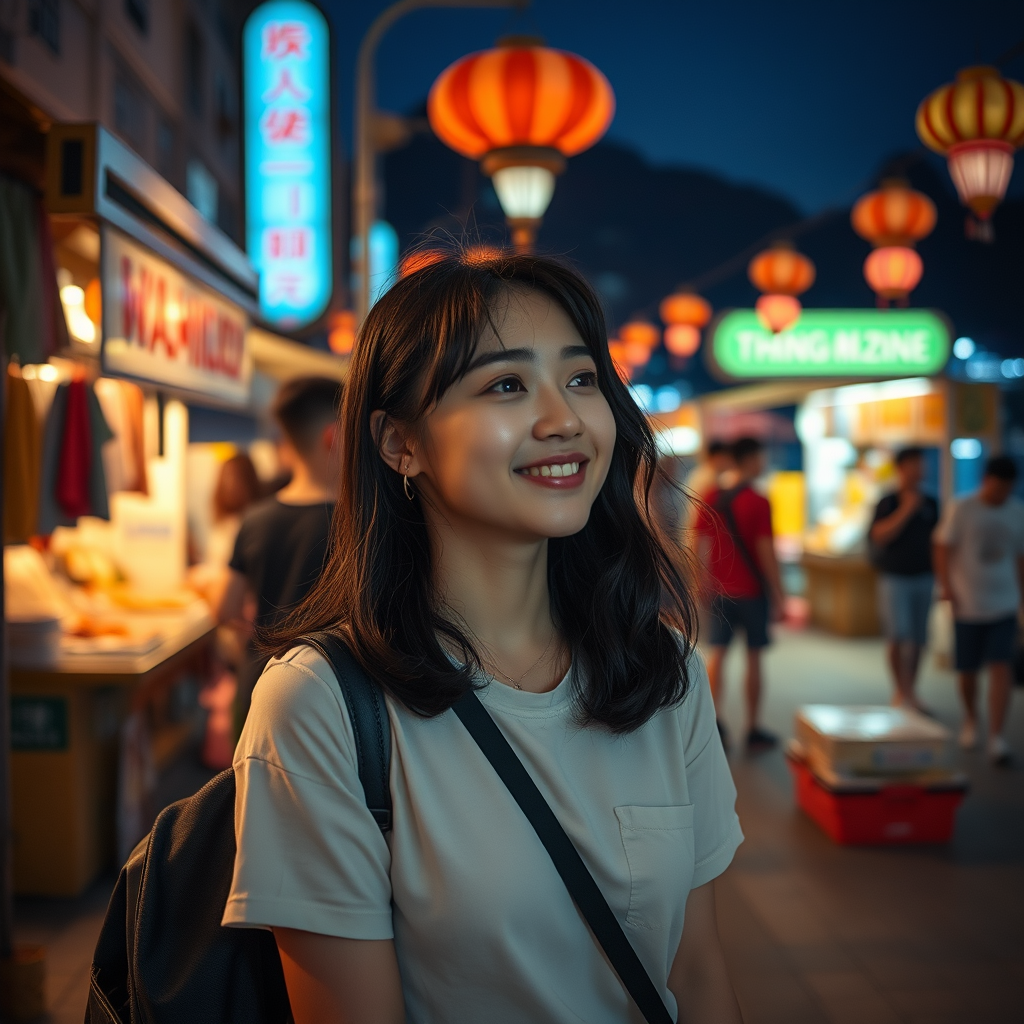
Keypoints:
pixel 163 327
pixel 288 159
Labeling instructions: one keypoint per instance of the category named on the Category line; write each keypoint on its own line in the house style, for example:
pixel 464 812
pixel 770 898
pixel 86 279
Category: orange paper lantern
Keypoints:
pixel 94 301
pixel 781 270
pixel 893 271
pixel 777 312
pixel 685 308
pixel 682 339
pixel 641 333
pixel 893 215
pixel 520 95
pixel 976 122
pixel 342 335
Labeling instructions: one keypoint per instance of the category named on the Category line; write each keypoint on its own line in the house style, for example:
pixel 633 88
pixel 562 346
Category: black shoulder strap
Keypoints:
pixel 370 723
pixel 723 506
pixel 577 878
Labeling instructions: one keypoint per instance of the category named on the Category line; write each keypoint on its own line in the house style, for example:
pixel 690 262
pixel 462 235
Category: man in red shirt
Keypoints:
pixel 735 535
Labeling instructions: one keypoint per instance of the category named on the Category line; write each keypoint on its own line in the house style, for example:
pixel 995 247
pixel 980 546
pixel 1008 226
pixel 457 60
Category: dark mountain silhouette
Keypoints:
pixel 637 231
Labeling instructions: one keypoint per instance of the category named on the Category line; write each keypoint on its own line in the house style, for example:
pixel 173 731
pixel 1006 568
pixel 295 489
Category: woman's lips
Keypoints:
pixel 557 474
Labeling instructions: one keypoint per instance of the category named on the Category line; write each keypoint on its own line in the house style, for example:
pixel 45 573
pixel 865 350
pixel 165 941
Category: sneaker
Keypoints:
pixel 999 752
pixel 968 736
pixel 759 738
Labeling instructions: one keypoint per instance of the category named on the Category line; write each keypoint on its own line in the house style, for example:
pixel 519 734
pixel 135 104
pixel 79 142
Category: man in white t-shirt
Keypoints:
pixel 979 561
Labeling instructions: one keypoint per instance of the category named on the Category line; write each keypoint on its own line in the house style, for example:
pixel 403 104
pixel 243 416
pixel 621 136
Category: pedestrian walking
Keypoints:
pixel 492 549
pixel 282 543
pixel 735 543
pixel 979 560
pixel 901 548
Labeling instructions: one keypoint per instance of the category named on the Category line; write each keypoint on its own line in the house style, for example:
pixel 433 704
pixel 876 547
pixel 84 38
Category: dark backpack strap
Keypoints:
pixel 723 506
pixel 370 724
pixel 577 878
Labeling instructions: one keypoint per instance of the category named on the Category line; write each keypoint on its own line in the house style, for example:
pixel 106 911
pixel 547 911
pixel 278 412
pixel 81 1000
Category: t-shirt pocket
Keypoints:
pixel 659 850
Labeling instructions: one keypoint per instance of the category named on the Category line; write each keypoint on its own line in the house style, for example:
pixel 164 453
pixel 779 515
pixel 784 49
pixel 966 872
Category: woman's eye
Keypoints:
pixel 507 386
pixel 586 379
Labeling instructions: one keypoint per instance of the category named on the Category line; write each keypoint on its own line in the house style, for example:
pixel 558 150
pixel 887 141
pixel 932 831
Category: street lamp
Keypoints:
pixel 521 109
pixel 976 122
pixel 892 219
pixel 373 128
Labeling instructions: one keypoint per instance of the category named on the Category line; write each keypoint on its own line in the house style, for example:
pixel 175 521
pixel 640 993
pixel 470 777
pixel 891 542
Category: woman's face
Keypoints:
pixel 522 444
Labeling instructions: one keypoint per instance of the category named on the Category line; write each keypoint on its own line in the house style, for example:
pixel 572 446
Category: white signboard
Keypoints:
pixel 163 327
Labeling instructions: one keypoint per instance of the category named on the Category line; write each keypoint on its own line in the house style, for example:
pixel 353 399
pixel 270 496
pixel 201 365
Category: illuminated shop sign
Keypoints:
pixel 833 343
pixel 162 327
pixel 286 54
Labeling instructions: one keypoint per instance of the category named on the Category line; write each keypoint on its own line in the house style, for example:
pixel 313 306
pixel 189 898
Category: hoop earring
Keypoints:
pixel 407 487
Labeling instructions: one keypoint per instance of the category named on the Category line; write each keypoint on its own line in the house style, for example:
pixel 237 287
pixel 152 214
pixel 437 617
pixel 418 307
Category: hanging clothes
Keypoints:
pixel 124 458
pixel 61 481
pixel 22 448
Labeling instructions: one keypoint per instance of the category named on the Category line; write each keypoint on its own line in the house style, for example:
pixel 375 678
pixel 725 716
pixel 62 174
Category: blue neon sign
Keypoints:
pixel 286 61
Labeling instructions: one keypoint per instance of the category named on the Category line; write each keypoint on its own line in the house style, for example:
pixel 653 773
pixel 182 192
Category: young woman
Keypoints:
pixel 492 532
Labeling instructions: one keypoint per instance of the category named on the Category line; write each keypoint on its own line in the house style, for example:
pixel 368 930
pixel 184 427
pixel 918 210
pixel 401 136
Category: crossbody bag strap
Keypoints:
pixel 370 724
pixel 577 878
pixel 723 506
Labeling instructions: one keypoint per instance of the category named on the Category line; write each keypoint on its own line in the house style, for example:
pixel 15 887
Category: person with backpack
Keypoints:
pixel 494 568
pixel 734 527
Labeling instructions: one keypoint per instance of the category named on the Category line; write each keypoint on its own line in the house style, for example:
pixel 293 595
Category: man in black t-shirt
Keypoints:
pixel 282 543
pixel 901 547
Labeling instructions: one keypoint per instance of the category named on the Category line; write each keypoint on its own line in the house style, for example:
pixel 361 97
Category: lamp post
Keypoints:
pixel 371 123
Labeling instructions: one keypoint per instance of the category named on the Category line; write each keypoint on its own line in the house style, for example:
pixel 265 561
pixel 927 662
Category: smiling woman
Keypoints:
pixel 492 537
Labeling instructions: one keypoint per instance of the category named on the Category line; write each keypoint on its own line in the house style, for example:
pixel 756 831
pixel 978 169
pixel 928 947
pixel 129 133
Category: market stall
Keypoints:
pixel 109 643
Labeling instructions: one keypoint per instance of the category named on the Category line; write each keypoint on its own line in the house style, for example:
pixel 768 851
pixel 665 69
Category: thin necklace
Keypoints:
pixel 515 683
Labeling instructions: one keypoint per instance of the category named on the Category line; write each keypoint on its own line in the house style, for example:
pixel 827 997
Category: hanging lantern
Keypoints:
pixel 777 312
pixel 682 340
pixel 685 308
pixel 521 109
pixel 895 214
pixel 94 301
pixel 781 273
pixel 617 350
pixel 976 122
pixel 641 333
pixel 893 271
pixel 342 335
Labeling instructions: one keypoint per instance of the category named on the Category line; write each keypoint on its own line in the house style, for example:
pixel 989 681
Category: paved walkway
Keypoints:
pixel 814 933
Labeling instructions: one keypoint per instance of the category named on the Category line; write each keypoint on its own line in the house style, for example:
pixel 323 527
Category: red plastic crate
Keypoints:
pixel 895 814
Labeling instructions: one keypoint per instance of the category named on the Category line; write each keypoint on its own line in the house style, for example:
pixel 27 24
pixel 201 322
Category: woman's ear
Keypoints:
pixel 393 443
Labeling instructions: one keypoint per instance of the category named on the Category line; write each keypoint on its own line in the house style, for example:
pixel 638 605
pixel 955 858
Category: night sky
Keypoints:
pixel 805 99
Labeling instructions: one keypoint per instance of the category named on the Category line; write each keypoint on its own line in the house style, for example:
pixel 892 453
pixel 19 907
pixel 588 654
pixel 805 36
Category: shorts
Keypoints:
pixel 903 606
pixel 982 643
pixel 748 613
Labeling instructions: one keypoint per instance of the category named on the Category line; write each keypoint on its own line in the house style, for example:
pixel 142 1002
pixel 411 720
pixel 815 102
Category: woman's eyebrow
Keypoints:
pixel 503 355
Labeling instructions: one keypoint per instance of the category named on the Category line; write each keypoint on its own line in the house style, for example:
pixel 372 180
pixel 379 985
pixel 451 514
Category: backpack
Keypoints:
pixel 163 956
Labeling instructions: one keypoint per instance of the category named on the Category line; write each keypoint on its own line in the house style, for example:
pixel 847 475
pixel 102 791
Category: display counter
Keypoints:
pixel 67 744
pixel 843 594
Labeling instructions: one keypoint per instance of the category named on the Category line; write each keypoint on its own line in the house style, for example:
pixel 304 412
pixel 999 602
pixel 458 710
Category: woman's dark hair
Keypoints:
pixel 620 593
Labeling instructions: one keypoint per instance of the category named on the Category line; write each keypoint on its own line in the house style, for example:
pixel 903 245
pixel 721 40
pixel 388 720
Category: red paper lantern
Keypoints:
pixel 342 335
pixel 976 122
pixel 682 339
pixel 893 271
pixel 777 312
pixel 685 308
pixel 640 333
pixel 781 270
pixel 893 215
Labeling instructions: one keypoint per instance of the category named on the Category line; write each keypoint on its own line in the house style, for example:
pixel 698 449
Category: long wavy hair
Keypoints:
pixel 621 592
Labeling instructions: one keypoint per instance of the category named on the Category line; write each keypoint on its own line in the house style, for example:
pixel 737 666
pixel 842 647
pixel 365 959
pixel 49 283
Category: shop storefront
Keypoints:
pixel 109 643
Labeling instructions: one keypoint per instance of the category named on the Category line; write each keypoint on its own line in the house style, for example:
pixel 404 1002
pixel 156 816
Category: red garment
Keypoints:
pixel 72 489
pixel 727 566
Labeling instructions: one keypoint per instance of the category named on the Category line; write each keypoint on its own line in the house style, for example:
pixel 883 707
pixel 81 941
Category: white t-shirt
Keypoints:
pixel 483 926
pixel 986 541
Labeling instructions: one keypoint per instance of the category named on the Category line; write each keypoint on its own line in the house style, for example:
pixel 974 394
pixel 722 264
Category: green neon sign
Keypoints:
pixel 833 343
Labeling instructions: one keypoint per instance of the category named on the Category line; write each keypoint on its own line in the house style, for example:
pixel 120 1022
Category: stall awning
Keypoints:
pixel 283 360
